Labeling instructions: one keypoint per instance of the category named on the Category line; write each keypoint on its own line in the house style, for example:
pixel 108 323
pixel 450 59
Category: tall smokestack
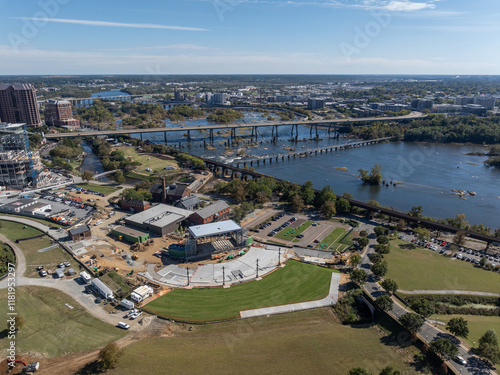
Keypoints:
pixel 164 192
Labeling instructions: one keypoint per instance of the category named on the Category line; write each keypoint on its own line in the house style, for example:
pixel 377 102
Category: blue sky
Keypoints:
pixel 250 36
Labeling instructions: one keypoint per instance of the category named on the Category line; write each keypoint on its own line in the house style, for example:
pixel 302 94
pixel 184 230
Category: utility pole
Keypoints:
pixel 223 276
pixel 187 271
pixel 279 257
pixel 257 269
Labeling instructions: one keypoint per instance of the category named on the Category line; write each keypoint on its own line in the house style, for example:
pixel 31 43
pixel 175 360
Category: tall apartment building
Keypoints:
pixel 59 113
pixel 218 98
pixel 19 166
pixel 315 103
pixel 18 104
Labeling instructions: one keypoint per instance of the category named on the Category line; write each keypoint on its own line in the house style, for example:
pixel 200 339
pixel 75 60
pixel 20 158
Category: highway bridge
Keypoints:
pixel 335 123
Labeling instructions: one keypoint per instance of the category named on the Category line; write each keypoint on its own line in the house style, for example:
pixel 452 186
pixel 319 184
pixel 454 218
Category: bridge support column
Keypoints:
pixel 140 135
pixel 165 137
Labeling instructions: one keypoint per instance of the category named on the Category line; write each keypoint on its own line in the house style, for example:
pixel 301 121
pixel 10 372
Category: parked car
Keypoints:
pixel 460 360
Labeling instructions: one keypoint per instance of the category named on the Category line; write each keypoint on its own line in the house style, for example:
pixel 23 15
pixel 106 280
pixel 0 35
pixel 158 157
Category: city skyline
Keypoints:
pixel 249 37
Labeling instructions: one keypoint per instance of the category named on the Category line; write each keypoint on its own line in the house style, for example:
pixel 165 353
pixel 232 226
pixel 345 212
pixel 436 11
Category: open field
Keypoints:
pixel 296 282
pixel 305 342
pixel 105 189
pixel 52 328
pixel 290 233
pixel 50 258
pixel 147 161
pixel 335 240
pixel 139 176
pixel 478 325
pixel 441 273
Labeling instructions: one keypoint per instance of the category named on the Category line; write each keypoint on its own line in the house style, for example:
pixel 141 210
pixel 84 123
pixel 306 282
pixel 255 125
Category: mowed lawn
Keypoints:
pixel 147 161
pixel 478 325
pixel 296 282
pixel 49 259
pixel 305 342
pixel 335 240
pixel 290 233
pixel 105 189
pixel 421 269
pixel 51 327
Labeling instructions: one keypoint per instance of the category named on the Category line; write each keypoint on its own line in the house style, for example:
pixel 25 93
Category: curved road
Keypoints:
pixel 474 366
pixel 72 287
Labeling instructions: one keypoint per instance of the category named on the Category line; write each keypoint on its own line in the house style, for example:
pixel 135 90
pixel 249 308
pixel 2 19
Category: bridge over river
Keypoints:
pixel 331 124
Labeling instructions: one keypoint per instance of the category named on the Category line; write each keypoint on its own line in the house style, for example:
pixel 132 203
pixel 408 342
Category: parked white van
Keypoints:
pixel 123 325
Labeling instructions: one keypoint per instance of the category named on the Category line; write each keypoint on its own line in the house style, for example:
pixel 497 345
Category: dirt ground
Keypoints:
pixel 70 364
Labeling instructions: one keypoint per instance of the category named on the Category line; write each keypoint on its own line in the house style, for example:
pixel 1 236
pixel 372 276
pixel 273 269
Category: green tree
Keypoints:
pixel 363 242
pixel 459 238
pixel 390 286
pixel 376 258
pixel 382 248
pixel 119 177
pixel 379 269
pixel 384 302
pixel 373 178
pixel 358 371
pixel 401 225
pixel 355 260
pixel 307 193
pixel 363 233
pixel 489 352
pixel 383 240
pixel 359 276
pixel 328 209
pixel 381 231
pixel 109 356
pixel 19 322
pixel 444 348
pixel 416 211
pixel 490 337
pixel 297 204
pixel 459 327
pixel 343 206
pixel 87 175
pixel 412 322
pixel 421 233
pixel 423 307
pixel 389 371
pixel 325 195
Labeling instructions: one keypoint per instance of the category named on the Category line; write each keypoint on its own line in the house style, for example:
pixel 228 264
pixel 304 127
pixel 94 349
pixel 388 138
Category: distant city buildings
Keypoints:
pixel 315 103
pixel 217 98
pixel 487 102
pixel 421 104
pixel 393 107
pixel 59 113
pixel 18 104
pixel 19 166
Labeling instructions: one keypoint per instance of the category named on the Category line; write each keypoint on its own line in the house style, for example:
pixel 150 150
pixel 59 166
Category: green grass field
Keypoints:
pixel 139 176
pixel 290 233
pixel 478 325
pixel 336 241
pixel 407 268
pixel 52 328
pixel 305 342
pixel 296 282
pixel 105 189
pixel 49 259
pixel 155 164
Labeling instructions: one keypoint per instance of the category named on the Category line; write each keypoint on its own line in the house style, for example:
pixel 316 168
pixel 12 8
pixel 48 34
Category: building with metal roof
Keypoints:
pixel 161 219
pixel 102 288
pixel 188 203
pixel 211 238
pixel 215 212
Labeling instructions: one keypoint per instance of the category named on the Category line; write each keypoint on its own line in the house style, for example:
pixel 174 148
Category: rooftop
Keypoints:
pixel 160 215
pixel 212 229
pixel 79 230
pixel 213 209
pixel 129 231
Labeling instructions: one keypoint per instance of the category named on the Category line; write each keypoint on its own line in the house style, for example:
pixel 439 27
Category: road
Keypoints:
pixel 411 116
pixel 428 332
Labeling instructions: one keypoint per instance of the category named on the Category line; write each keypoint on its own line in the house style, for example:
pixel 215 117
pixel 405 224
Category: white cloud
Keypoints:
pixel 111 24
pixel 407 6
pixel 192 47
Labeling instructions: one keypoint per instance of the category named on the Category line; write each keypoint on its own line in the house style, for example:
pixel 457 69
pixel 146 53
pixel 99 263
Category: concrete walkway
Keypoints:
pixel 465 292
pixel 329 300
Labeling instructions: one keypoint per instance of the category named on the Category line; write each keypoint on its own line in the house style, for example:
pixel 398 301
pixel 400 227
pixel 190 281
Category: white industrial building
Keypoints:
pixel 141 293
pixel 102 288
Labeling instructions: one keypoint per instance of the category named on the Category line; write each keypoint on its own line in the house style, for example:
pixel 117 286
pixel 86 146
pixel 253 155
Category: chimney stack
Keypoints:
pixel 164 192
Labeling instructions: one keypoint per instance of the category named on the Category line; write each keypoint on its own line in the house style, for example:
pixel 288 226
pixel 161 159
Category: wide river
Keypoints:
pixel 427 172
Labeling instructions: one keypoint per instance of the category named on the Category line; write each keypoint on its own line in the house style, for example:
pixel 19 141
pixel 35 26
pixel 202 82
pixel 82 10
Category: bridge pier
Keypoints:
pixel 165 137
